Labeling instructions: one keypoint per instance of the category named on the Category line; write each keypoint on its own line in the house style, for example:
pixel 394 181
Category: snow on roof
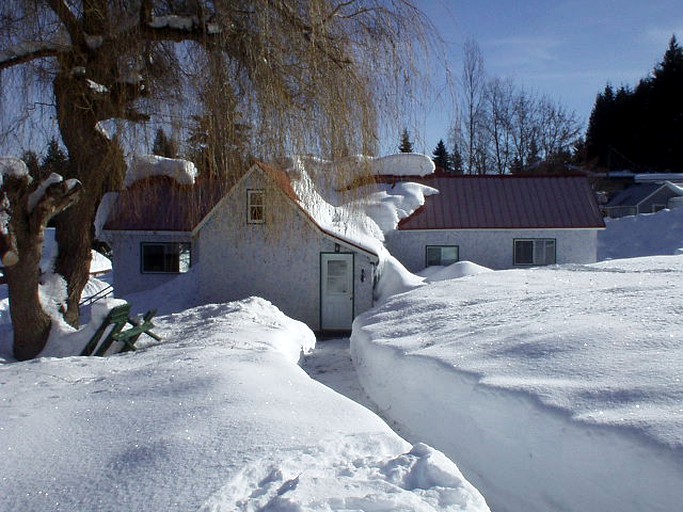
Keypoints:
pixel 662 176
pixel 342 222
pixel 640 191
pixel 360 219
pixel 144 166
pixel 404 164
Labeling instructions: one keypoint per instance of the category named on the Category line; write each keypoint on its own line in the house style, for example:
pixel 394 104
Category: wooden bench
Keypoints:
pixel 112 330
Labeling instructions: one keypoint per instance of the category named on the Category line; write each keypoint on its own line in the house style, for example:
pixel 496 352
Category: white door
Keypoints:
pixel 336 288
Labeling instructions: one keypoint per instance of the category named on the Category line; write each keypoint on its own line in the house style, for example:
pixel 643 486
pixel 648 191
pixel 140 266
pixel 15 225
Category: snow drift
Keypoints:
pixel 550 387
pixel 217 417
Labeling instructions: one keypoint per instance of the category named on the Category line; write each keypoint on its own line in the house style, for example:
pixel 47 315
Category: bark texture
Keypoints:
pixel 24 240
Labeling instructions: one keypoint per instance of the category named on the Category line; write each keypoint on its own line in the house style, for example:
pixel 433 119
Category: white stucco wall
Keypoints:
pixel 278 260
pixel 126 261
pixel 490 248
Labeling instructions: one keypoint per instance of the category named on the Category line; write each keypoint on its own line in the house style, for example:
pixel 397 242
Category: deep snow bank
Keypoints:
pixel 521 456
pixel 642 235
pixel 554 388
pixel 217 417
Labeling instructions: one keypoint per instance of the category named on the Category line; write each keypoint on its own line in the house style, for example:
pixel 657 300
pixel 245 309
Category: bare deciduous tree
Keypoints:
pixel 306 75
pixel 473 82
pixel 503 128
pixel 498 100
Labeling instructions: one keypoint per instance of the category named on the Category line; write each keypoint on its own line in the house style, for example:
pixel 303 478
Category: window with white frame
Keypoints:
pixel 256 206
pixel 442 254
pixel 535 251
pixel 165 258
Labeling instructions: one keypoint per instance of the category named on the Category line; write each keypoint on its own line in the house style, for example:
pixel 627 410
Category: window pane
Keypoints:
pixel 549 256
pixel 153 258
pixel 256 198
pixel 337 281
pixel 442 254
pixel 184 258
pixel 256 213
pixel 255 206
pixel 433 255
pixel 166 257
pixel 449 255
pixel 524 252
pixel 540 251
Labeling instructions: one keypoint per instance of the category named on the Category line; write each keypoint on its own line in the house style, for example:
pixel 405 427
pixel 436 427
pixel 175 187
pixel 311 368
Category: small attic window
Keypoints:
pixel 256 207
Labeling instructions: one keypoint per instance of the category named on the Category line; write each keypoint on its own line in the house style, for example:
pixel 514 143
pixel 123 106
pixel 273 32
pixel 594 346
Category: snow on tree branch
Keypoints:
pixel 35 207
pixel 35 196
pixel 9 168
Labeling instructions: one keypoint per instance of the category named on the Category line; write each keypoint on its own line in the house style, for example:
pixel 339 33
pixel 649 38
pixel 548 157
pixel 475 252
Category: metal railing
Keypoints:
pixel 103 293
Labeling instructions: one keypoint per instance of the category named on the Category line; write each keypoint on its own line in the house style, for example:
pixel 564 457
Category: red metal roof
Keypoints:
pixel 506 202
pixel 160 203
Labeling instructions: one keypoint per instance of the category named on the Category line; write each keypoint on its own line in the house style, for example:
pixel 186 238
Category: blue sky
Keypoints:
pixel 568 50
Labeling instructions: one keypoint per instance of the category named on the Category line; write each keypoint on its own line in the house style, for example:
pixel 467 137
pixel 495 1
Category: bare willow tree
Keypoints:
pixel 306 75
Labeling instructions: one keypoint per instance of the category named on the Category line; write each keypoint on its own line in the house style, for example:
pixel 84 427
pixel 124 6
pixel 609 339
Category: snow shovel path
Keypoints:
pixel 330 364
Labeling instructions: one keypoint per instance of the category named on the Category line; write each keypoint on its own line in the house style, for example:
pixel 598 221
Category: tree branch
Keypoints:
pixel 73 27
pixel 145 12
pixel 57 198
pixel 26 53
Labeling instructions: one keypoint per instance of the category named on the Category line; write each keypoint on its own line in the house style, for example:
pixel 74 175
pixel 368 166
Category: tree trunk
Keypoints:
pixel 30 322
pixel 75 241
pixel 30 206
pixel 98 163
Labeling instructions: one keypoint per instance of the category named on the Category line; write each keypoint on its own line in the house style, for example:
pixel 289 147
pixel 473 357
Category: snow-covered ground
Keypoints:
pixel 217 417
pixel 553 389
pixel 557 388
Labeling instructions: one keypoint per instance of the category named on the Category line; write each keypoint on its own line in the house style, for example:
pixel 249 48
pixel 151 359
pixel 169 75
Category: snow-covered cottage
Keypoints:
pixel 499 222
pixel 640 198
pixel 256 238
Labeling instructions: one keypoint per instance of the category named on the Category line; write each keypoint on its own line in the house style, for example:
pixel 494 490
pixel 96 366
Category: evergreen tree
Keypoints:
pixel 671 66
pixel 641 129
pixel 665 107
pixel 457 163
pixel 533 155
pixel 32 161
pixel 55 160
pixel 164 145
pixel 406 144
pixel 442 158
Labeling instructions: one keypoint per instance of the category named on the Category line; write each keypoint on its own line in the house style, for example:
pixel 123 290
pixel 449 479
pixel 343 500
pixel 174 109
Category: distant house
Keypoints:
pixel 255 238
pixel 645 197
pixel 500 222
